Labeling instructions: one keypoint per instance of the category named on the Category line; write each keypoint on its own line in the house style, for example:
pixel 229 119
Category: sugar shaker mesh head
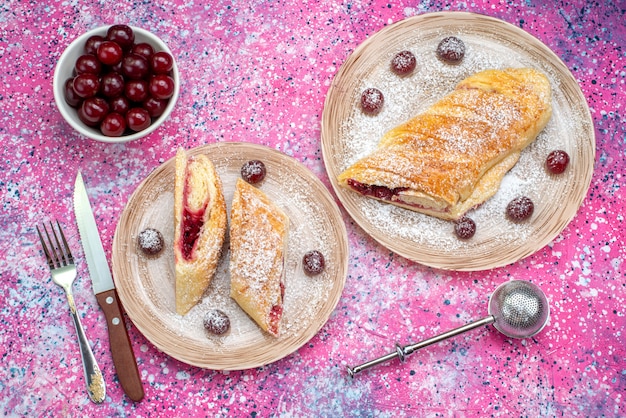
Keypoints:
pixel 520 309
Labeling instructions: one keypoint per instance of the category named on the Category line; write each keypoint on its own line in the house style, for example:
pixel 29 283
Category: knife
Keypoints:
pixel 106 295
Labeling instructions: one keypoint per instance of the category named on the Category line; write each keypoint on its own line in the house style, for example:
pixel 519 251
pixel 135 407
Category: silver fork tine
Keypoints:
pixel 68 252
pixel 45 247
pixel 60 254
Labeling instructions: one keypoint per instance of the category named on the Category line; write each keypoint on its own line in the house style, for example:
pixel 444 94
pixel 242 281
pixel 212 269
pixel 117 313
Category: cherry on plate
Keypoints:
pixel 403 63
pixel 253 171
pixel 112 84
pixel 557 161
pixel 161 86
pixel 465 228
pixel 136 90
pixel 451 50
pixel 86 85
pixel 313 262
pixel 372 100
pixel 520 209
pixel 216 322
pixel 134 66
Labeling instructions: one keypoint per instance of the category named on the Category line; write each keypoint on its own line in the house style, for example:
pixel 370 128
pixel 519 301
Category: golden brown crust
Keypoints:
pixel 197 190
pixel 258 236
pixel 453 156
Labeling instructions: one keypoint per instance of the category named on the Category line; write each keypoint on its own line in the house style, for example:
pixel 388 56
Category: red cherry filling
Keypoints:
pixel 192 225
pixel 192 222
pixel 379 192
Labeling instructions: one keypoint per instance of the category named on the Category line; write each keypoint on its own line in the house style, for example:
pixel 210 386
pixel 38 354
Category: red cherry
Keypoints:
pixel 71 97
pixel 161 62
pixel 161 86
pixel 110 53
pixel 113 124
pixel 138 119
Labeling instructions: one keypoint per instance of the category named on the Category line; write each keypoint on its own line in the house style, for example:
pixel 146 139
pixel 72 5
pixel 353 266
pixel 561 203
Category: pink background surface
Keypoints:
pixel 259 72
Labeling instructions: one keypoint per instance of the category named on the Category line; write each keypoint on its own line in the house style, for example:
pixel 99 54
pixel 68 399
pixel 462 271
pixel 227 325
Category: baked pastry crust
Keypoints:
pixel 200 223
pixel 452 157
pixel 258 239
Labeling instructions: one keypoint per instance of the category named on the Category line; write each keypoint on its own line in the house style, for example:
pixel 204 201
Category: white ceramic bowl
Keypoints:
pixel 65 69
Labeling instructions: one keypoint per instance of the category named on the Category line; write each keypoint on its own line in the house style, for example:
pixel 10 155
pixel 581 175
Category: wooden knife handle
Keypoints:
pixel 121 348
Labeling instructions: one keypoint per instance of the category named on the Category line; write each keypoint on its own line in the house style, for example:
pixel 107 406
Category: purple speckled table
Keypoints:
pixel 259 72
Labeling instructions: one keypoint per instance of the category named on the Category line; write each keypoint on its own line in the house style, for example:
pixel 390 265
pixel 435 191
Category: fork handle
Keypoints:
pixel 96 387
pixel 121 348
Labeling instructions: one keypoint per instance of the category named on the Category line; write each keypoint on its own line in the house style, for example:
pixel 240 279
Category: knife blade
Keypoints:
pixel 106 295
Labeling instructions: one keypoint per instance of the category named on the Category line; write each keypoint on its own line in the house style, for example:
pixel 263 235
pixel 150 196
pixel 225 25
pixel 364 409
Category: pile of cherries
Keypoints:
pixel 119 86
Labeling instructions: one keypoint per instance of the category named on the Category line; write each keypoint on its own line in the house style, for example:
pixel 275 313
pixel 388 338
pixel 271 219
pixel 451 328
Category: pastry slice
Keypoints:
pixel 453 156
pixel 199 227
pixel 258 236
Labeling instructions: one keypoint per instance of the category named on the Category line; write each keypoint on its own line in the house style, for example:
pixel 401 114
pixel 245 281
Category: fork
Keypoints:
pixel 63 269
